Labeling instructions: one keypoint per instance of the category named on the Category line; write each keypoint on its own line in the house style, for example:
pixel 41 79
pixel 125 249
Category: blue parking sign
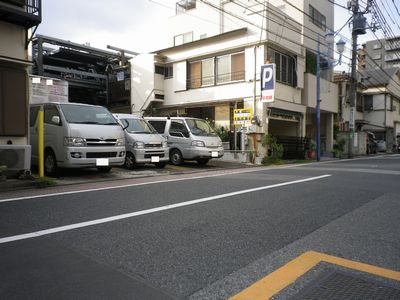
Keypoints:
pixel 268 82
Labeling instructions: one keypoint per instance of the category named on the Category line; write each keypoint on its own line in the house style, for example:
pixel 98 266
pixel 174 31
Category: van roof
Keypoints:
pixel 172 118
pixel 64 103
pixel 127 116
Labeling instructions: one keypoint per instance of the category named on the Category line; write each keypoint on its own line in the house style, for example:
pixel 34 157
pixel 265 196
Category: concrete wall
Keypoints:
pixel 12 41
pixel 329 94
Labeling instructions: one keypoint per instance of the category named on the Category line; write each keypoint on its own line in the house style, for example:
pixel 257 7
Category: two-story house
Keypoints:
pixel 17 17
pixel 377 105
pixel 214 64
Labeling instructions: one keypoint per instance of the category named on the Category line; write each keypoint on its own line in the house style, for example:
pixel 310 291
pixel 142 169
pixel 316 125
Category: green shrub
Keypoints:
pixel 42 182
pixel 274 150
pixel 338 148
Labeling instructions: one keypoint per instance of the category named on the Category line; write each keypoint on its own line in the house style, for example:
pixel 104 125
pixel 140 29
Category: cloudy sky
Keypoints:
pixel 140 25
pixel 135 25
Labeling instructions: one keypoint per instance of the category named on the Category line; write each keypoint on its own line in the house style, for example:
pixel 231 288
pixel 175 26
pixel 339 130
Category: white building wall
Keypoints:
pixel 142 81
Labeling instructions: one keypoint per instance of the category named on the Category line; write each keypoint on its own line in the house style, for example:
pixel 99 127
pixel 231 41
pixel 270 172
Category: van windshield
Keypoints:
pixel 138 126
pixel 80 114
pixel 200 127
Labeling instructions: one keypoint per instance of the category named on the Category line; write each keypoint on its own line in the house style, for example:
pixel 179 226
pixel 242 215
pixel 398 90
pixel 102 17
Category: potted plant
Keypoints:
pixel 224 136
pixel 311 149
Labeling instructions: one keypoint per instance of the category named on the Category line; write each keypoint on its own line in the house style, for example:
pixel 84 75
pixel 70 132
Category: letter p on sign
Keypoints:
pixel 267 82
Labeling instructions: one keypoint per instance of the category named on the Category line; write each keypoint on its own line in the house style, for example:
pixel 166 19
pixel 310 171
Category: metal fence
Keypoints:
pixel 293 147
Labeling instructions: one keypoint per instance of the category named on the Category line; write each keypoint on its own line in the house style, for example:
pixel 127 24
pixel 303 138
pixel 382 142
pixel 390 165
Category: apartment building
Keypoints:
pixel 17 17
pixel 213 66
pixel 382 53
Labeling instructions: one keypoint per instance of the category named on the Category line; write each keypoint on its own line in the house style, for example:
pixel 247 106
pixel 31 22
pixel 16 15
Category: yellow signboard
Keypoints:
pixel 242 116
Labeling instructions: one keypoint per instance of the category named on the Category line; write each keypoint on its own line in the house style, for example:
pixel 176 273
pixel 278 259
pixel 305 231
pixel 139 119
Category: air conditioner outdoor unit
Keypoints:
pixel 15 157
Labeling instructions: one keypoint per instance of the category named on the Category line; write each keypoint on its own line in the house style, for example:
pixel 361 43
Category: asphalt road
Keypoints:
pixel 203 236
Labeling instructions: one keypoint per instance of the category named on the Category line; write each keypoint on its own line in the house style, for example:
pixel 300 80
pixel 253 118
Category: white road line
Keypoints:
pixel 130 185
pixel 147 211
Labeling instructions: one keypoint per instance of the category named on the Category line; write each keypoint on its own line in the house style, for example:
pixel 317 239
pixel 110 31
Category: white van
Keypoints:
pixel 142 142
pixel 188 139
pixel 77 136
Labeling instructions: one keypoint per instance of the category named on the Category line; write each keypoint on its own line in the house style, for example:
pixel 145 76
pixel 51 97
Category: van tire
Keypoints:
pixel 104 169
pixel 175 157
pixel 50 163
pixel 130 161
pixel 203 161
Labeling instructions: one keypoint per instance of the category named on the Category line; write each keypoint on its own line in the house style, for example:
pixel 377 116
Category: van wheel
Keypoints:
pixel 160 165
pixel 203 161
pixel 50 163
pixel 175 157
pixel 130 161
pixel 104 169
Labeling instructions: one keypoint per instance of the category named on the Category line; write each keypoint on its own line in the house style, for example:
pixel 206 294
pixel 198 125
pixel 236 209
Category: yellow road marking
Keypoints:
pixel 289 273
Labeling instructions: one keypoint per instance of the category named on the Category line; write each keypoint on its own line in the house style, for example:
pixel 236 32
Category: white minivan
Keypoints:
pixel 142 142
pixel 77 136
pixel 188 139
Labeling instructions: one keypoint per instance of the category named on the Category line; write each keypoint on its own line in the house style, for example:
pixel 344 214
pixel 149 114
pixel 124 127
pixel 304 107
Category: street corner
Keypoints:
pixel 341 275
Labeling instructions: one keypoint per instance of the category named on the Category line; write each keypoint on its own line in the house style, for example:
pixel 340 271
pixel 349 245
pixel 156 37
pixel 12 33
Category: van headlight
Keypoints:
pixel 74 142
pixel 120 142
pixel 138 145
pixel 165 144
pixel 198 144
pixel 219 143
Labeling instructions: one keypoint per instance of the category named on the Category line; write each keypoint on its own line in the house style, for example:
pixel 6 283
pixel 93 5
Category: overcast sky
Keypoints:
pixel 140 25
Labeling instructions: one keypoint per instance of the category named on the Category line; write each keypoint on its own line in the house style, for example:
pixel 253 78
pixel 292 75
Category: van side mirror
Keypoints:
pixel 56 120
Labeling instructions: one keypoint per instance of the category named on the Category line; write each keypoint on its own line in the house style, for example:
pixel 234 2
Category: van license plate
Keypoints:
pixel 214 154
pixel 155 159
pixel 101 162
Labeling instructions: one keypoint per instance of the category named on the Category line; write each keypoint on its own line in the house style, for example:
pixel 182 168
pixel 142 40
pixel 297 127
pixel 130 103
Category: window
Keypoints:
pixel 201 73
pixel 217 70
pixel 183 38
pixel 49 112
pixel 285 67
pixel 169 72
pixel 158 125
pixel 185 5
pixel 368 102
pixel 230 67
pixel 166 71
pixel 33 115
pixel 159 70
pixel 178 129
pixel 207 71
pixel 317 18
pixel 377 46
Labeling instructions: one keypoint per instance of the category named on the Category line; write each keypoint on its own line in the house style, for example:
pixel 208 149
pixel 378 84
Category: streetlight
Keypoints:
pixel 329 38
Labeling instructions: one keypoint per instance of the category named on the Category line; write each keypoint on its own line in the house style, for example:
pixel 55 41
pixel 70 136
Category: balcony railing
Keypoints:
pixel 197 82
pixel 27 13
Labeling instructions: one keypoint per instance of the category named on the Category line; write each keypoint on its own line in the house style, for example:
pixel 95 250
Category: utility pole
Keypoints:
pixel 359 26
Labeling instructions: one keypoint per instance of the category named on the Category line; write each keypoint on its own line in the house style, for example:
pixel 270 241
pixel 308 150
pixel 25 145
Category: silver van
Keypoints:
pixel 77 136
pixel 143 143
pixel 188 139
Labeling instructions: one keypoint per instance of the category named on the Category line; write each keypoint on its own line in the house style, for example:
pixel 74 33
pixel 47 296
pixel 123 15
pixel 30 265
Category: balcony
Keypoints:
pixel 392 57
pixel 26 13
